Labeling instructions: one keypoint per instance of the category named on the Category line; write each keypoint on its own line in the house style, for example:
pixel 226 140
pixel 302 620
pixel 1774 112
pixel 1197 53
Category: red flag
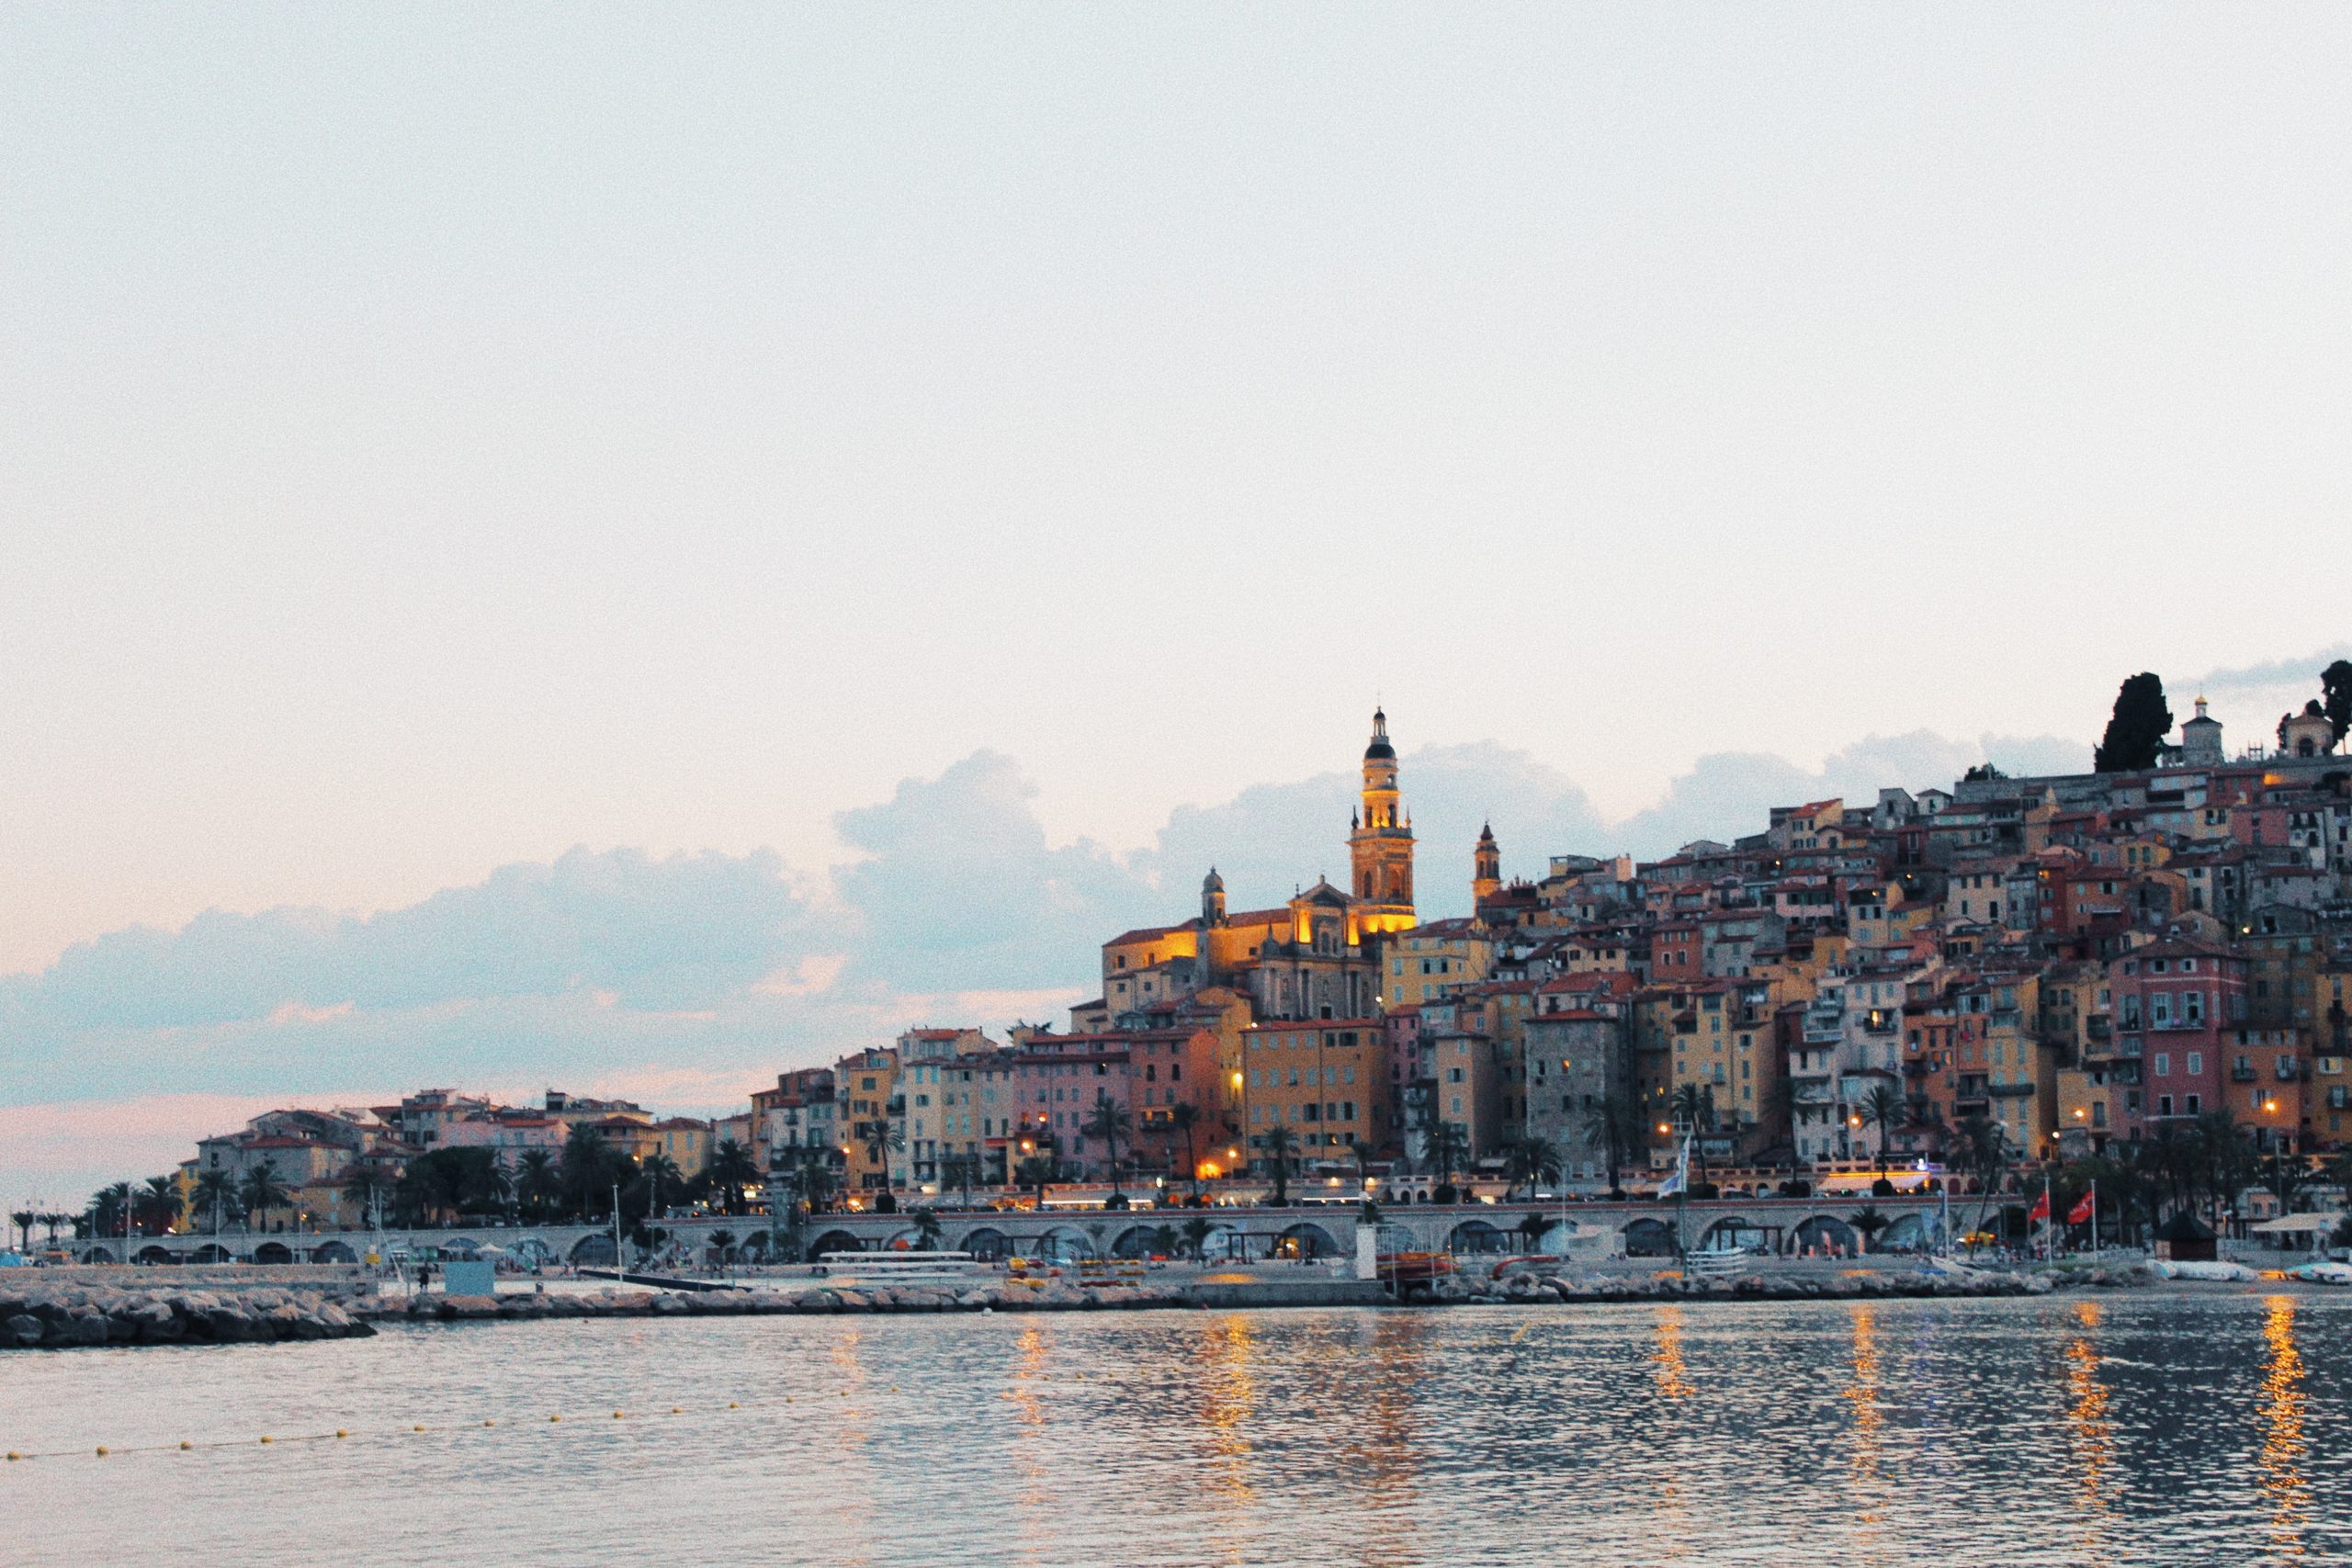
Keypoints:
pixel 2040 1208
pixel 2080 1214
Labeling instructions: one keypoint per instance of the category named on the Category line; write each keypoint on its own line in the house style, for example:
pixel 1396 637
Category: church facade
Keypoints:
pixel 1318 956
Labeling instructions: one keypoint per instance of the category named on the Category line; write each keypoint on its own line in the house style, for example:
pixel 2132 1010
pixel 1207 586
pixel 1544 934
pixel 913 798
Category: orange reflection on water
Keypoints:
pixel 2283 1445
pixel 855 1434
pixel 1866 1453
pixel 1389 1456
pixel 1673 1516
pixel 1230 1395
pixel 1029 1459
pixel 1667 1357
pixel 2090 1434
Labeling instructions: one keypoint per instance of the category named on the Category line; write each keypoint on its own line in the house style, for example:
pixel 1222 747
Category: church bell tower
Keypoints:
pixel 1380 842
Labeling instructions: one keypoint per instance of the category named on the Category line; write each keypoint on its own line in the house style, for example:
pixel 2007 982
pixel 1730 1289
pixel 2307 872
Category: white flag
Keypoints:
pixel 1673 1185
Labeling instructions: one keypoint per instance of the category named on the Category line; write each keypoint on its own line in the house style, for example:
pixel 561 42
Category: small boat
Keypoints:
pixel 2197 1268
pixel 2323 1273
pixel 1414 1268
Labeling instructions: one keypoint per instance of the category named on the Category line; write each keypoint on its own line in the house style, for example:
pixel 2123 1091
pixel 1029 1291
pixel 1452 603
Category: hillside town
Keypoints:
pixel 2005 973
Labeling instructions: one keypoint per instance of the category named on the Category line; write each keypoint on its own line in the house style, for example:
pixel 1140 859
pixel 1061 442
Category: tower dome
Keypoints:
pixel 1379 746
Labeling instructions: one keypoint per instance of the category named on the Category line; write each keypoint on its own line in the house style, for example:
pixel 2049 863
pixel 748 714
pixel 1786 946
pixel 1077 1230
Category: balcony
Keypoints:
pixel 2013 1091
pixel 2243 1075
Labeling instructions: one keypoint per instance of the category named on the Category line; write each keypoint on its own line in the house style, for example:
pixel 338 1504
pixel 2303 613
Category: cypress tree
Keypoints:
pixel 2136 730
pixel 2335 686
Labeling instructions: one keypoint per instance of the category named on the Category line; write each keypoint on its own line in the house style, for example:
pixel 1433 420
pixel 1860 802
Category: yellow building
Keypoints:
pixel 1316 957
pixel 1429 961
pixel 867 1086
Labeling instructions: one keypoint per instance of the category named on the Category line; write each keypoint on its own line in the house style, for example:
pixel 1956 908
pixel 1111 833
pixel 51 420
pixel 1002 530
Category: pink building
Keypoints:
pixel 2177 1003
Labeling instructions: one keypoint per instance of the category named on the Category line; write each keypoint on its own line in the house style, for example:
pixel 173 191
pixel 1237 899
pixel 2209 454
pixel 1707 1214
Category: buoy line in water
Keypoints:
pixel 355 1433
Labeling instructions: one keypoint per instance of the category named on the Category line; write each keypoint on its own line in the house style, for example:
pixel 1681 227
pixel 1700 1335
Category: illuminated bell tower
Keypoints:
pixel 1380 842
pixel 1485 867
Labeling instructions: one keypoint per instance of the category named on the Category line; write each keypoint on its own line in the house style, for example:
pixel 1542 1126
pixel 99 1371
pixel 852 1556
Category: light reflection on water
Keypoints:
pixel 2130 1429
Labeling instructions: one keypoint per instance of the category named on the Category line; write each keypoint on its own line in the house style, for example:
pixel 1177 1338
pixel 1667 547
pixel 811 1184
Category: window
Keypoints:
pixel 2164 1065
pixel 2196 1064
pixel 2164 1105
pixel 2193 1104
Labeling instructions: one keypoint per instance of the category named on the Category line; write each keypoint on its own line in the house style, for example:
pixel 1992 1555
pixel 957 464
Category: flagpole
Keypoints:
pixel 2049 1221
pixel 2094 1219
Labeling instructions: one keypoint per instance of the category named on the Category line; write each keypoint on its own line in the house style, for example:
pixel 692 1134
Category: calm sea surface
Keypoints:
pixel 2120 1428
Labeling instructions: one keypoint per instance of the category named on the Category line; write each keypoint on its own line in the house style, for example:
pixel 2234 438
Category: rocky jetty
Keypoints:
pixel 1531 1289
pixel 516 1306
pixel 62 1318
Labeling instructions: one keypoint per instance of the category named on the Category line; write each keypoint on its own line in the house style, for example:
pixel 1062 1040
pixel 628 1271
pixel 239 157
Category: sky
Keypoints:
pixel 638 551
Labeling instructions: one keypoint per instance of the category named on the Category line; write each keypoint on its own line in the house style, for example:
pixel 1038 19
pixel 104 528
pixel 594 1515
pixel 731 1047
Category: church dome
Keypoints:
pixel 1379 748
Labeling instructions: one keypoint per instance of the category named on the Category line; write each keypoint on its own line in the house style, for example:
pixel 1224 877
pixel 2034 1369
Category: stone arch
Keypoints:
pixel 1060 1244
pixel 1825 1234
pixel 1725 1234
pixel 97 1255
pixel 595 1250
pixel 1136 1241
pixel 1223 1244
pixel 1476 1235
pixel 1649 1239
pixel 334 1252
pixel 210 1252
pixel 1908 1230
pixel 835 1241
pixel 158 1254
pixel 987 1243
pixel 273 1252
pixel 1306 1240
pixel 533 1251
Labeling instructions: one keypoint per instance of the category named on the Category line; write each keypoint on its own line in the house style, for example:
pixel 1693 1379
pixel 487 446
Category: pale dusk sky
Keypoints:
pixel 435 437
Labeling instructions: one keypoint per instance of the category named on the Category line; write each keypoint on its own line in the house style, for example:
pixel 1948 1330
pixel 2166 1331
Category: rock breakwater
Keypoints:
pixel 87 1316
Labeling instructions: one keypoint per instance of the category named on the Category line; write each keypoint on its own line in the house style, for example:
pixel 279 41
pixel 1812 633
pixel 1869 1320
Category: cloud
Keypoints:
pixel 959 889
pixel 684 980
pixel 654 932
pixel 1271 838
pixel 2301 673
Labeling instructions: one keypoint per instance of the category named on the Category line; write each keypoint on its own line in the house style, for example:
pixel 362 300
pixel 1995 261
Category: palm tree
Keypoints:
pixel 731 1169
pixel 2225 1161
pixel 484 1186
pixel 109 1213
pixel 1983 1149
pixel 1108 1122
pixel 1449 1149
pixel 1883 1107
pixel 261 1191
pixel 881 1141
pixel 590 1166
pixel 1694 1110
pixel 1196 1235
pixel 959 1171
pixel 927 1230
pixel 54 1220
pixel 160 1203
pixel 1530 1160
pixel 364 1188
pixel 1184 1118
pixel 23 1220
pixel 537 1182
pixel 1282 1147
pixel 662 1172
pixel 1036 1171
pixel 1868 1221
pixel 1615 1126
pixel 813 1175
